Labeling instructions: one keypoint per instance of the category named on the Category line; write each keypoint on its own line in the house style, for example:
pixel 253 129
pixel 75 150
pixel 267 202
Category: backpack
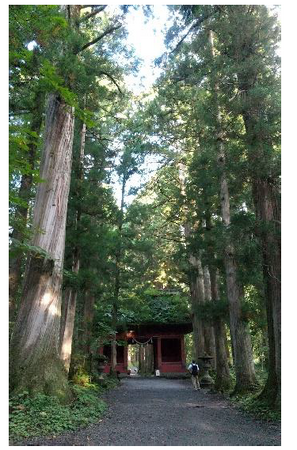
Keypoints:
pixel 195 370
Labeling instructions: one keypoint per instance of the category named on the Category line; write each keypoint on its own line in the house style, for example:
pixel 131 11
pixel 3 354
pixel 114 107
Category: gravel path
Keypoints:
pixel 158 411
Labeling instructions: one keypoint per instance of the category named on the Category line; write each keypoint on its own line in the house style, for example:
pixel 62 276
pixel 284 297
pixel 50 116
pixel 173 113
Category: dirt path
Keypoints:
pixel 157 411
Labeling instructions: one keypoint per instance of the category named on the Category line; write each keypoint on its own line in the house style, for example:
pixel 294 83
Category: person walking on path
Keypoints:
pixel 194 371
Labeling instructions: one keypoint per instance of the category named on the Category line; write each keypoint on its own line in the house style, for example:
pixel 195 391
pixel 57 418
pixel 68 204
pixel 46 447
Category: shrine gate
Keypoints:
pixel 163 343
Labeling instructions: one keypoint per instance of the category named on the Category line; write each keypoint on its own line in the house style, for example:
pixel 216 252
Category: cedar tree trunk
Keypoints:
pixel 15 264
pixel 117 284
pixel 88 318
pixel 267 203
pixel 209 338
pixel 223 379
pixel 196 280
pixel 35 363
pixel 251 69
pixel 68 319
pixel 241 340
pixel 197 299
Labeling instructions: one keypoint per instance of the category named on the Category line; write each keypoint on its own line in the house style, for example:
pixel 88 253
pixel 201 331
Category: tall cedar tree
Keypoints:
pixel 251 60
pixel 35 360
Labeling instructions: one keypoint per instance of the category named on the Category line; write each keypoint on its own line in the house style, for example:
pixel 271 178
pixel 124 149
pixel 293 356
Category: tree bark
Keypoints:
pixel 196 281
pixel 197 299
pixel 35 363
pixel 243 355
pixel 15 264
pixel 266 198
pixel 209 338
pixel 267 204
pixel 265 190
pixel 117 284
pixel 241 340
pixel 67 322
pixel 68 319
pixel 223 379
pixel 88 317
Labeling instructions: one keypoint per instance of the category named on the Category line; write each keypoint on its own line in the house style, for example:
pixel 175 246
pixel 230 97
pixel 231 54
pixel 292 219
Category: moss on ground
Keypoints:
pixel 259 408
pixel 42 376
pixel 44 415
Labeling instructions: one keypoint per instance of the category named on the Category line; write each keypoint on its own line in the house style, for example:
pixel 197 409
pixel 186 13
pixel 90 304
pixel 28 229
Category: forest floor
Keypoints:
pixel 159 411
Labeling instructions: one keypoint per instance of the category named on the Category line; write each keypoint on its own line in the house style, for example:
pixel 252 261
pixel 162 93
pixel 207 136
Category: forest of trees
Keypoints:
pixel 207 223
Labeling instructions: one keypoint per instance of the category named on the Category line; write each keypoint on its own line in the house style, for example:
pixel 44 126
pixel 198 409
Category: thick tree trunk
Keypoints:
pixel 241 340
pixel 196 280
pixel 267 203
pixel 115 315
pixel 67 322
pixel 223 379
pixel 68 319
pixel 240 335
pixel 117 284
pixel 88 317
pixel 264 180
pixel 114 341
pixel 15 264
pixel 197 299
pixel 209 338
pixel 35 363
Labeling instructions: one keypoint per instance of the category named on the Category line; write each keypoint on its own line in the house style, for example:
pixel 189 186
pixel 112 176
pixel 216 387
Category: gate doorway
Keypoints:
pixel 141 359
pixel 133 359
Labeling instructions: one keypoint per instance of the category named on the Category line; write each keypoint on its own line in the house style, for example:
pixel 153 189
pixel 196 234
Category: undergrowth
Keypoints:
pixel 43 415
pixel 256 408
pixel 250 402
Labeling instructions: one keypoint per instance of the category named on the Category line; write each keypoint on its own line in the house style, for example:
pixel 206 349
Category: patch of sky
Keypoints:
pixel 137 181
pixel 146 36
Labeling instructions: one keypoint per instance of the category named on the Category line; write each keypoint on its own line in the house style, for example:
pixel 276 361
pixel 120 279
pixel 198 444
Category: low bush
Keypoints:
pixel 250 402
pixel 43 415
pixel 256 408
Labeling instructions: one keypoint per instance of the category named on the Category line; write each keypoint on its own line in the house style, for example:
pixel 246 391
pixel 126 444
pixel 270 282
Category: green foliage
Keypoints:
pixel 251 403
pixel 141 308
pixel 43 415
pixel 160 308
pixel 210 311
pixel 52 82
pixel 25 247
pixel 256 408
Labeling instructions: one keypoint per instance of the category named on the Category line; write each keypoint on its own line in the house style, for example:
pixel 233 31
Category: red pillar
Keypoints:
pixel 126 357
pixel 183 353
pixel 159 353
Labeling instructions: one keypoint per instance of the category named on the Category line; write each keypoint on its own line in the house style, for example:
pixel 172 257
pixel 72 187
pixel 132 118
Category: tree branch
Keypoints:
pixel 98 38
pixel 87 6
pixel 193 27
pixel 93 13
pixel 112 79
pixel 97 136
